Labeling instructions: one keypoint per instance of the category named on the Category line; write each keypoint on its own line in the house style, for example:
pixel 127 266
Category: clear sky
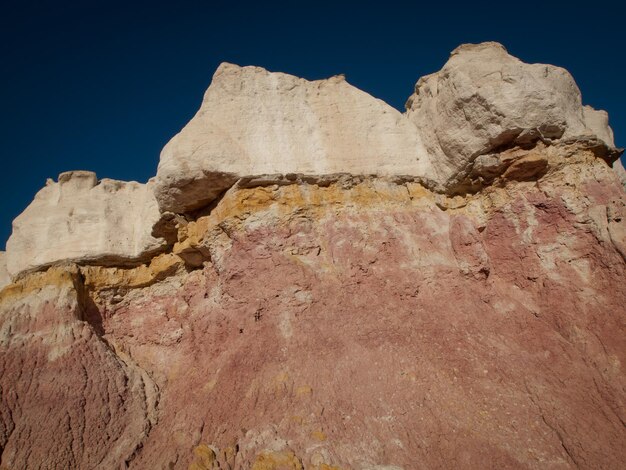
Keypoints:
pixel 103 85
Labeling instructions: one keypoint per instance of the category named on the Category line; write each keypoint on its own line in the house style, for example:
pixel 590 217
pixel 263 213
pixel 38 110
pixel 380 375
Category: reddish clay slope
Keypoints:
pixel 367 324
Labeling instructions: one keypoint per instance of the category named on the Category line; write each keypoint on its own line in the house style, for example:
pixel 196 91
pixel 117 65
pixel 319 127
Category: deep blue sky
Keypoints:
pixel 103 85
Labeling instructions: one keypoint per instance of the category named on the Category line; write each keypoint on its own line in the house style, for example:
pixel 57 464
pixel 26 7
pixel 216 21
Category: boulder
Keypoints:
pixel 597 122
pixel 254 122
pixel 484 99
pixel 81 219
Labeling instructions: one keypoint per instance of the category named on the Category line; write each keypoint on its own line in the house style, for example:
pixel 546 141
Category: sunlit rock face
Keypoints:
pixel 4 275
pixel 344 320
pixel 485 99
pixel 597 122
pixel 253 122
pixel 68 400
pixel 83 220
pixel 258 128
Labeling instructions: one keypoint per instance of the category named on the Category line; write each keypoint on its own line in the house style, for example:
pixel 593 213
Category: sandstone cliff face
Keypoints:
pixel 68 401
pixel 338 321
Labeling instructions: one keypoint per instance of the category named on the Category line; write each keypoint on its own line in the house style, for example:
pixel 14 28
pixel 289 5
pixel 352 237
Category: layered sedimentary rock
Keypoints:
pixel 363 325
pixel 84 220
pixel 253 122
pixel 346 320
pixel 256 123
pixel 484 99
pixel 68 400
pixel 260 128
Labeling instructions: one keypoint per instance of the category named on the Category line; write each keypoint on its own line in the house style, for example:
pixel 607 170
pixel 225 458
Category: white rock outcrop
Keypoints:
pixel 82 219
pixel 253 122
pixel 5 279
pixel 597 122
pixel 483 98
pixel 258 127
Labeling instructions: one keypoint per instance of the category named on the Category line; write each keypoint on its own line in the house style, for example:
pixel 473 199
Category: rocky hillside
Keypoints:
pixel 314 280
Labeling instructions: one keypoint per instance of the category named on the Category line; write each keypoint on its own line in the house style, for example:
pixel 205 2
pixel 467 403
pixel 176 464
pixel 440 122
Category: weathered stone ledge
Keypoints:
pixel 485 119
pixel 198 237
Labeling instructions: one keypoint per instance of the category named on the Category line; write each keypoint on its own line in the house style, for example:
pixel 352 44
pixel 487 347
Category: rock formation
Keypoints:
pixel 484 99
pixel 330 284
pixel 84 220
pixel 255 123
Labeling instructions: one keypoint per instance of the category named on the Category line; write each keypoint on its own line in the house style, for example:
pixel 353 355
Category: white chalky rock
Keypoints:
pixel 597 122
pixel 5 279
pixel 484 98
pixel 253 122
pixel 82 219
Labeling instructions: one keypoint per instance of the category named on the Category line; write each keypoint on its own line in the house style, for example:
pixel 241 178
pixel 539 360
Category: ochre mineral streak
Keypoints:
pixel 315 280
